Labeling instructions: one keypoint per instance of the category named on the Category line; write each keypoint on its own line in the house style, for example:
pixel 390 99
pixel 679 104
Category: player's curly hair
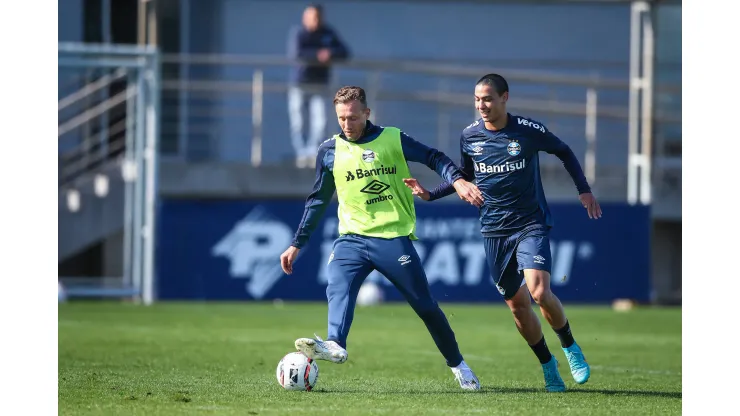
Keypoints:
pixel 350 93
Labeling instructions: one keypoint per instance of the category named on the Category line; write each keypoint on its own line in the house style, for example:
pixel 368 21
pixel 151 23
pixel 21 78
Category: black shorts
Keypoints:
pixel 532 249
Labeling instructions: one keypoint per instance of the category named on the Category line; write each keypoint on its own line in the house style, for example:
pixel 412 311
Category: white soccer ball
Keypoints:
pixel 297 372
pixel 370 294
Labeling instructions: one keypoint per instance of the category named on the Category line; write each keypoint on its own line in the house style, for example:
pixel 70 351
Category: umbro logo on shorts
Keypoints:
pixel 404 260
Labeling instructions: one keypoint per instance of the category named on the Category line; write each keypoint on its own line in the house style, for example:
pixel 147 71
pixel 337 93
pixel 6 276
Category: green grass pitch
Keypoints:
pixel 207 358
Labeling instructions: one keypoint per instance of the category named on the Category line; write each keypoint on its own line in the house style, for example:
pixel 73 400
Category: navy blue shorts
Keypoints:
pixel 532 248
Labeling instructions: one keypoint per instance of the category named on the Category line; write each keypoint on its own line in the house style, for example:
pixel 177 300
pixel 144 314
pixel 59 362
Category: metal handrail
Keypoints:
pixel 91 88
pixel 93 112
pixel 73 170
pixel 436 97
pixel 420 67
pixel 118 49
pixel 87 145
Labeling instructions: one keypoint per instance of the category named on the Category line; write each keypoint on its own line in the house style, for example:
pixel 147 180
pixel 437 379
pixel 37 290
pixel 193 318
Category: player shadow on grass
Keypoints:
pixel 513 390
pixel 667 394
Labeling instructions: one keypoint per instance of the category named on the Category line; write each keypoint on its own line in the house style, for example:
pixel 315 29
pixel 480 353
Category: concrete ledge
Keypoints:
pixel 241 180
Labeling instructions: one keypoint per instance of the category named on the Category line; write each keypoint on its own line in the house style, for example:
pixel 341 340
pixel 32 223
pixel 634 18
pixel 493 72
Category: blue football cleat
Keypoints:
pixel 553 382
pixel 578 366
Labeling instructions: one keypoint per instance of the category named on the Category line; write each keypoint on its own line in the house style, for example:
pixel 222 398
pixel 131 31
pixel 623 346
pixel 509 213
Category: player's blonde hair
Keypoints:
pixel 350 93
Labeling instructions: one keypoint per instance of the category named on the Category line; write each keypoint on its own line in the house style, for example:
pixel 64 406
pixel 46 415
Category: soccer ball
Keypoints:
pixel 370 294
pixel 298 372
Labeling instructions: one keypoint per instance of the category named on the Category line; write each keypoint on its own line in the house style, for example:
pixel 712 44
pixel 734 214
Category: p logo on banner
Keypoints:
pixel 253 246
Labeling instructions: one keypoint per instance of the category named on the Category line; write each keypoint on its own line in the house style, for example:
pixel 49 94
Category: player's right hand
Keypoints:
pixel 287 259
pixel 323 55
pixel 416 188
pixel 588 200
pixel 468 192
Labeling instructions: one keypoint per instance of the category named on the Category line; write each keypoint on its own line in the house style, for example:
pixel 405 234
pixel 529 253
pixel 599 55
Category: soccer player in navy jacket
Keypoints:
pixel 500 152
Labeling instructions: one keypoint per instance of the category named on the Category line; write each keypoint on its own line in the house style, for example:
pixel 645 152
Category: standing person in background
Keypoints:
pixel 315 46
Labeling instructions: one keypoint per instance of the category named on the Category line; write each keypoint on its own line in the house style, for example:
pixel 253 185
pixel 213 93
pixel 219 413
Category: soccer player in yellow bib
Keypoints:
pixel 366 166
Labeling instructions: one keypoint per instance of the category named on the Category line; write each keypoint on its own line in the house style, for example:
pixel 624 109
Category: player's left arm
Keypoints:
pixel 439 162
pixel 415 151
pixel 550 143
pixel 466 167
